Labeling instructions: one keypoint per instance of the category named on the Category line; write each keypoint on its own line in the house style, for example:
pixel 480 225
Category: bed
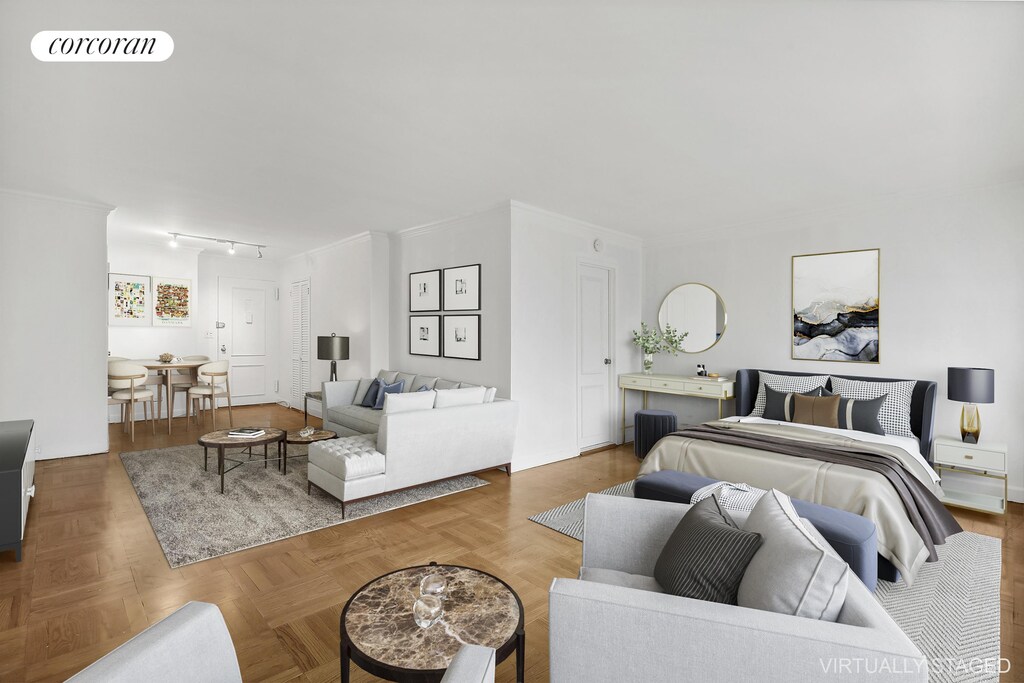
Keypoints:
pixel 886 478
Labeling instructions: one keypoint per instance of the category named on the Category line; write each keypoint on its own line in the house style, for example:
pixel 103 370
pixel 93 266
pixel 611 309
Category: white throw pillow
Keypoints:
pixel 423 381
pixel 445 384
pixel 404 403
pixel 791 573
pixel 387 376
pixel 409 378
pixel 894 417
pixel 449 398
pixel 490 394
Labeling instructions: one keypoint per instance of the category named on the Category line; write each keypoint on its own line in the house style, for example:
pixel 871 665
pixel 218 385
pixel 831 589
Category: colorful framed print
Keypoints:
pixel 462 288
pixel 425 291
pixel 425 335
pixel 462 336
pixel 172 303
pixel 836 306
pixel 129 300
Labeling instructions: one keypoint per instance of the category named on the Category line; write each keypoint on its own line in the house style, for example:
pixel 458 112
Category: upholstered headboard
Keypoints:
pixel 922 402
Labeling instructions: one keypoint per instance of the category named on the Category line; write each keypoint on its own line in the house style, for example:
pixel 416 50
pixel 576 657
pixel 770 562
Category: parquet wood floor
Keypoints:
pixel 93 573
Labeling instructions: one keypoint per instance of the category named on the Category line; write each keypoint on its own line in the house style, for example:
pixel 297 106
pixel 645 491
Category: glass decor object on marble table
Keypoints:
pixel 436 585
pixel 427 610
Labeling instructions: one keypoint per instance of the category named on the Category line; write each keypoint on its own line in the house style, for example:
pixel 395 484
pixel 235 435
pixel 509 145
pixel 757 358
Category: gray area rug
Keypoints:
pixel 194 522
pixel 951 612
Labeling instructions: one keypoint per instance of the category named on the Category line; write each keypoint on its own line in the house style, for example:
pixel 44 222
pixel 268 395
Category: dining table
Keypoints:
pixel 166 371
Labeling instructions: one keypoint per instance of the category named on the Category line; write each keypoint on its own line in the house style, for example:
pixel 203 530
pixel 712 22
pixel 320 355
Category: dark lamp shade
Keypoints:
pixel 971 385
pixel 332 348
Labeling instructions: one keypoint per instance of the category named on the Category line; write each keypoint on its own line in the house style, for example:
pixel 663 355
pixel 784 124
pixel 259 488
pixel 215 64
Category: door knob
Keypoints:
pixel 223 348
pixel 607 361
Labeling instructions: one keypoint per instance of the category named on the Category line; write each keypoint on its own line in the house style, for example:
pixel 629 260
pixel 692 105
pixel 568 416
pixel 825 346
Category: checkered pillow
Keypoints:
pixel 786 384
pixel 894 417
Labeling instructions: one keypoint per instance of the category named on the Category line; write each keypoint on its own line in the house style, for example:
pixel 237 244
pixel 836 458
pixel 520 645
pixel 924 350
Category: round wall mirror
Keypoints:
pixel 697 310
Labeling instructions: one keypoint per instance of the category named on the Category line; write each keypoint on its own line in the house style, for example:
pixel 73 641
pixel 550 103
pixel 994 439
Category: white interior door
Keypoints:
pixel 299 296
pixel 594 363
pixel 248 311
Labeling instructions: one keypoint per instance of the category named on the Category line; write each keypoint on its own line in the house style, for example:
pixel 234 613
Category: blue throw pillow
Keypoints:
pixel 423 388
pixel 370 399
pixel 386 389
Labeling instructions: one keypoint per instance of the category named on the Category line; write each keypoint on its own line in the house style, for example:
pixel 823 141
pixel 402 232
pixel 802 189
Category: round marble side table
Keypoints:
pixel 378 632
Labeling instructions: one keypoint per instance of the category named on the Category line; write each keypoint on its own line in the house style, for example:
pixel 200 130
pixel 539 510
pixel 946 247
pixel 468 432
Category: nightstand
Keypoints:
pixel 984 460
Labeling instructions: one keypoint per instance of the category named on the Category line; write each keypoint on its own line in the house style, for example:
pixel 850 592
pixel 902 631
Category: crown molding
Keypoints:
pixel 352 239
pixel 583 228
pixel 22 194
pixel 445 223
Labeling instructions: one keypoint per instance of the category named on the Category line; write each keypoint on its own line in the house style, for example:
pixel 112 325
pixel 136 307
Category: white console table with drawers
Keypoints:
pixel 677 385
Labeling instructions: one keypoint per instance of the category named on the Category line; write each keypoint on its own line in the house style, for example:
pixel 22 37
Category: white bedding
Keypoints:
pixel 911 445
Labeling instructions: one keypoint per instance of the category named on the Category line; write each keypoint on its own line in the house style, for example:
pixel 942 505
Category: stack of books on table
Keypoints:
pixel 247 432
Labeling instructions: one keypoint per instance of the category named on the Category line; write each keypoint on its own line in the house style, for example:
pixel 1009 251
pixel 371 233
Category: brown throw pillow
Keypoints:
pixel 822 411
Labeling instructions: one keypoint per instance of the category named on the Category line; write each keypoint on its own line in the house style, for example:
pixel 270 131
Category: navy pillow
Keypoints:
pixel 386 389
pixel 778 405
pixel 370 399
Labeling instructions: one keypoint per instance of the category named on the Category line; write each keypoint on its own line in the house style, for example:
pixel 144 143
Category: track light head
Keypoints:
pixel 259 252
pixel 174 240
pixel 231 249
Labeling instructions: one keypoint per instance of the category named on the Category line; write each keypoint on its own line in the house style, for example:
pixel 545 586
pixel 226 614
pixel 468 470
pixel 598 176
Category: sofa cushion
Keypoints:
pixel 617 578
pixel 357 418
pixel 369 399
pixel 404 403
pixel 490 394
pixel 706 555
pixel 347 458
pixel 792 573
pixel 388 376
pixel 449 398
pixel 445 384
pixel 386 389
pixel 421 381
pixel 407 378
pixel 361 389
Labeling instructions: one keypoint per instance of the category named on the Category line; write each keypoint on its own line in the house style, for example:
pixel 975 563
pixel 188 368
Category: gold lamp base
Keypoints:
pixel 970 423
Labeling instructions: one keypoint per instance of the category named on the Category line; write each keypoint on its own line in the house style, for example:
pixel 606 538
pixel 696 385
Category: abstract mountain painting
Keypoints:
pixel 835 306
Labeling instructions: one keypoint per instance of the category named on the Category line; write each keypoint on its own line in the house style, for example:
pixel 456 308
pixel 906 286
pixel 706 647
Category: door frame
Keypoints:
pixel 273 333
pixel 610 267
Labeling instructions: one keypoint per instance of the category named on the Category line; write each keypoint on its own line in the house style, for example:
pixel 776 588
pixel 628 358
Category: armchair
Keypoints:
pixel 614 624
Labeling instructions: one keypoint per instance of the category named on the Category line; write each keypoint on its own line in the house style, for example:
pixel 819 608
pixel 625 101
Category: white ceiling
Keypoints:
pixel 297 124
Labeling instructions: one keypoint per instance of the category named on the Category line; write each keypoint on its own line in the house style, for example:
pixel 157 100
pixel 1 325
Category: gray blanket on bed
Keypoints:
pixel 930 518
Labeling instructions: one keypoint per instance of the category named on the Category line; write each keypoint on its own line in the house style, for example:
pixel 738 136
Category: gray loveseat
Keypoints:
pixel 614 624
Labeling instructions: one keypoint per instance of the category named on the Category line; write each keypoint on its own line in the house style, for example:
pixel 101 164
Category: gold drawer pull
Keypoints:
pixel 968 457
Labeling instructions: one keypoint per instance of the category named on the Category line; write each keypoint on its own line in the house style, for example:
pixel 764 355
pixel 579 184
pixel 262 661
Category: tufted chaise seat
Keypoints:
pixel 356 466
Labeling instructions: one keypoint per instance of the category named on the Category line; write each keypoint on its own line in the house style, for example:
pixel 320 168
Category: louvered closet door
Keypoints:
pixel 300 340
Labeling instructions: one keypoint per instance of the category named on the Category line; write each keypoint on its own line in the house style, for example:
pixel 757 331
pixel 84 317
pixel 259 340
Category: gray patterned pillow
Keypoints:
pixel 706 555
pixel 786 385
pixel 894 416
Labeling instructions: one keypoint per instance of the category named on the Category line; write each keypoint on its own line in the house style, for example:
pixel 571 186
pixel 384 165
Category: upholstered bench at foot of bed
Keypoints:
pixel 853 537
pixel 348 468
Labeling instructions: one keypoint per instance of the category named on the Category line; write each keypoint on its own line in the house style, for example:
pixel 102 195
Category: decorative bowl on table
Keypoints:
pixel 165 357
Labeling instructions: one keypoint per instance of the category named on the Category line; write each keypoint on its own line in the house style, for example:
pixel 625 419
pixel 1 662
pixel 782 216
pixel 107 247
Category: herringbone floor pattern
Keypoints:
pixel 93 573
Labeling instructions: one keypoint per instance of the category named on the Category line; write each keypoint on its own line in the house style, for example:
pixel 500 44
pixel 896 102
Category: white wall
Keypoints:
pixel 952 292
pixel 477 238
pixel 53 284
pixel 349 295
pixel 546 251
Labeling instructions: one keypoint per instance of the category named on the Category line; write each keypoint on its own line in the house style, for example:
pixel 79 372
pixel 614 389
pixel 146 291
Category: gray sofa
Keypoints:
pixel 614 624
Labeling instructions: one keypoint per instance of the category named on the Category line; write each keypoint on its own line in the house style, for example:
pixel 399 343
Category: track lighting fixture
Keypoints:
pixel 173 242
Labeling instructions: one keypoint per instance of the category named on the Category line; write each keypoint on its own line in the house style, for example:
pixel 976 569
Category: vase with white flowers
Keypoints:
pixel 650 341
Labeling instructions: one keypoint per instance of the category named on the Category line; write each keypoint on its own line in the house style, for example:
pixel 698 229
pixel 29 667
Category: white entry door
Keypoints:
pixel 248 311
pixel 594 363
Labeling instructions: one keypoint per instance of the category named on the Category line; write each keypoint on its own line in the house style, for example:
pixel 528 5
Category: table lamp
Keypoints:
pixel 971 386
pixel 333 348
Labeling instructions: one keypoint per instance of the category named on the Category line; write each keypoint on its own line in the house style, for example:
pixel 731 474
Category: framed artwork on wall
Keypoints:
pixel 129 300
pixel 462 288
pixel 172 302
pixel 425 291
pixel 462 336
pixel 836 306
pixel 425 335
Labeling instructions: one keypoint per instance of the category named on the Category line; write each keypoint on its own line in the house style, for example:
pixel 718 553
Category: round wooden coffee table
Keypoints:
pixel 220 440
pixel 378 632
pixel 294 437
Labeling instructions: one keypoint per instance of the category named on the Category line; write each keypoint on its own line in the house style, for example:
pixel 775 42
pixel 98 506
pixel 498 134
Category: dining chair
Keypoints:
pixel 183 379
pixel 126 379
pixel 213 378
